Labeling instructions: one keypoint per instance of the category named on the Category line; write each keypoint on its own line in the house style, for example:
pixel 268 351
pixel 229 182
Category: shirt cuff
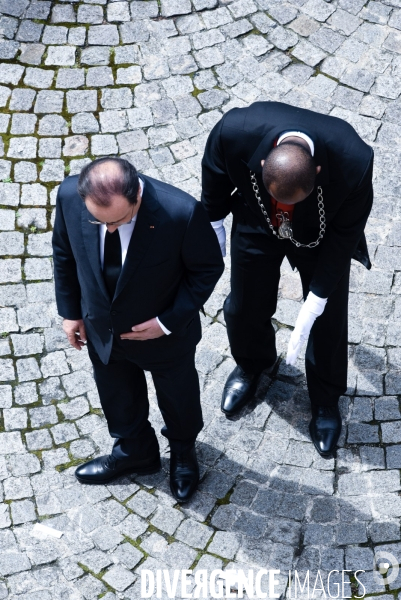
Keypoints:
pixel 166 331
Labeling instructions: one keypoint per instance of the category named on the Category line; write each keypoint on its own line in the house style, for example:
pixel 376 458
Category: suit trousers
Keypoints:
pixel 255 275
pixel 123 395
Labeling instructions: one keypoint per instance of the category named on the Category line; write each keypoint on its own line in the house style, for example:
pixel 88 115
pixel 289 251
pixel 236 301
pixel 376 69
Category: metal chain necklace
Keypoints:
pixel 285 230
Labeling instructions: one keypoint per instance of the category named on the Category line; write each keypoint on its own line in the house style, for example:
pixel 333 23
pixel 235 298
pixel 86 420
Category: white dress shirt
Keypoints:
pixel 218 226
pixel 125 232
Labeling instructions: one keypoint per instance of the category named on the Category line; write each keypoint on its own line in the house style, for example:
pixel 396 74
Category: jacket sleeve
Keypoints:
pixel 68 290
pixel 203 267
pixel 217 187
pixel 342 236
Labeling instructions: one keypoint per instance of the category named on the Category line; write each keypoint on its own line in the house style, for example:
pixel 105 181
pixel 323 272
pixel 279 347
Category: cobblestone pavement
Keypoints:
pixel 148 80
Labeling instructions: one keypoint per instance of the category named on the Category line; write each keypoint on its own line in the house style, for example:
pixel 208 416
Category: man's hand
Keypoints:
pixel 75 331
pixel 144 331
pixel 311 309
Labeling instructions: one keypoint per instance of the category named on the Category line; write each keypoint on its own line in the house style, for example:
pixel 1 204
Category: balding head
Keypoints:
pixel 105 178
pixel 289 172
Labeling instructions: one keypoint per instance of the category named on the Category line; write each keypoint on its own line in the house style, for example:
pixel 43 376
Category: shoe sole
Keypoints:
pixel 151 470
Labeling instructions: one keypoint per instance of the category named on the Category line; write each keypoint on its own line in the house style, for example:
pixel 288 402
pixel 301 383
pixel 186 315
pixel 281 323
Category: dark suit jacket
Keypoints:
pixel 244 136
pixel 172 265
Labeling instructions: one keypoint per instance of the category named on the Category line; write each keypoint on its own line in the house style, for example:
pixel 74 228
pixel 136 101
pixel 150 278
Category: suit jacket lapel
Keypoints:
pixel 90 234
pixel 145 231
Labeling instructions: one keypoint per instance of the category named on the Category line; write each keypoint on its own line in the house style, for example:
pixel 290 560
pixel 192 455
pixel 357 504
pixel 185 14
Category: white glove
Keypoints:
pixel 218 227
pixel 311 309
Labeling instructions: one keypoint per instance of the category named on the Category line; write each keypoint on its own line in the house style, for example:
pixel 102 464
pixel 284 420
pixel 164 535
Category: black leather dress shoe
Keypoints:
pixel 104 469
pixel 325 429
pixel 239 389
pixel 184 474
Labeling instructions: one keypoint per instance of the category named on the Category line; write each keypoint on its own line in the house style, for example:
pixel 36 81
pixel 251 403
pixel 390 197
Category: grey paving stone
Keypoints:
pixel 38 78
pixel 52 170
pixel 77 36
pixel 11 243
pixel 27 369
pixel 393 457
pixel 70 78
pixel 89 586
pixel 372 458
pixel 118 12
pixel 50 389
pixel 6 397
pixel 81 101
pixel 53 458
pixel 166 519
pixel 63 56
pixel 9 26
pixel 63 14
pixel 23 511
pixel 75 409
pixel 116 98
pixel 387 408
pixel 10 270
pixel 53 125
pixel 84 123
pixel 179 555
pixel 106 538
pixel 90 14
pixel 351 533
pixel 29 31
pixel 49 148
pixel 391 432
pixel 32 54
pixel 9 194
pixel 41 416
pixel 95 560
pixel 385 531
pixel 13 562
pixel 171 8
pixel 64 432
pixel 127 555
pixel 25 393
pixel 37 440
pixel 119 578
pixel 143 504
pixel 38 10
pixel 193 533
pixel 49 102
pixel 16 488
pixel 54 35
pixel 307 53
pixel 8 49
pixel 25 464
pixel 103 35
pixel 15 418
pixel 95 55
pixel 139 10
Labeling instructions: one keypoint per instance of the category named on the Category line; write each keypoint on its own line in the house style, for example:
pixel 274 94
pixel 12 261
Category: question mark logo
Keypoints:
pixel 385 568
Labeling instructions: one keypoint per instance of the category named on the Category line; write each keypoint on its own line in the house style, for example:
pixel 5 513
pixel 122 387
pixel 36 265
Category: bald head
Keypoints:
pixel 105 178
pixel 289 172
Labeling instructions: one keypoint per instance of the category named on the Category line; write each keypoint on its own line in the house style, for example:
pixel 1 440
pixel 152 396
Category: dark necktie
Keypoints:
pixel 112 261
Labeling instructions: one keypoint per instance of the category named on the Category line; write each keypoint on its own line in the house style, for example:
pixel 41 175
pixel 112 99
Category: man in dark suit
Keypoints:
pixel 134 260
pixel 299 184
